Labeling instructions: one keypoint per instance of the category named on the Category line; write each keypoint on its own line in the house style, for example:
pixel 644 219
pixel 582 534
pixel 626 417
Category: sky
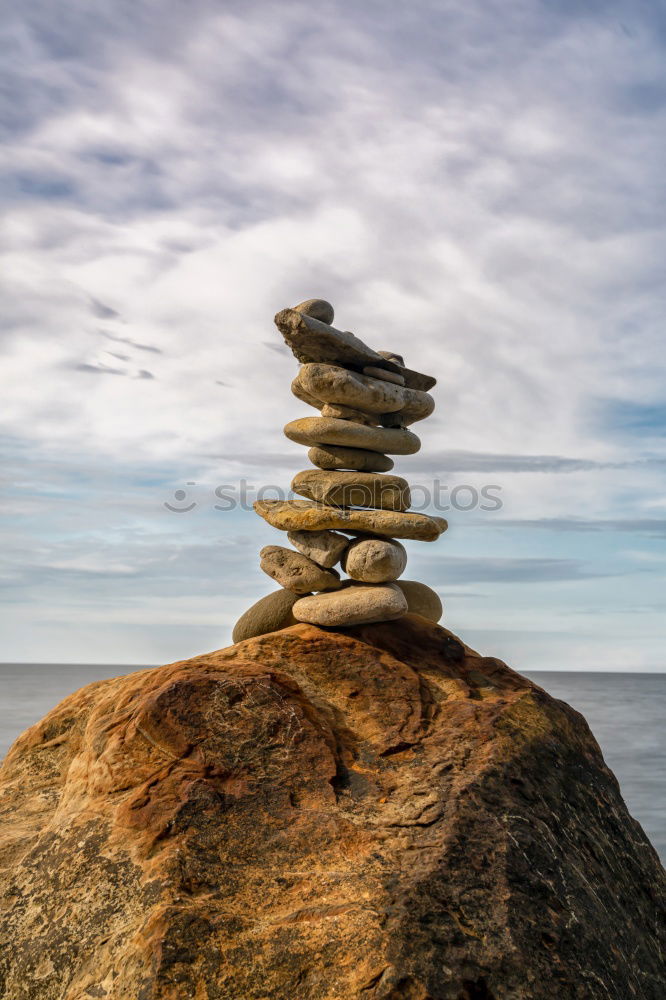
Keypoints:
pixel 478 186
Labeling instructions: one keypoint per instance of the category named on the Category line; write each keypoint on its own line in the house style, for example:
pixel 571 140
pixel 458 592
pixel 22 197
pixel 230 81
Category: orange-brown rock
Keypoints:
pixel 370 814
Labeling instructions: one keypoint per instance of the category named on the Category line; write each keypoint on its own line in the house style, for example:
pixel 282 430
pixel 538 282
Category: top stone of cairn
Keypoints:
pixel 312 338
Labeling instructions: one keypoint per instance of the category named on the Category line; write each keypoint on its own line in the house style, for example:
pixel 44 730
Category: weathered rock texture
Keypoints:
pixel 374 814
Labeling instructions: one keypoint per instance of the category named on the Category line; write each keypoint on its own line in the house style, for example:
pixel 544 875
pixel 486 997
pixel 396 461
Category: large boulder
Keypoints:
pixel 377 813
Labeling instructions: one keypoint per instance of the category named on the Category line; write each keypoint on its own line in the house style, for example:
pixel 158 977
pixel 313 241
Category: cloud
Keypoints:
pixel 102 311
pixel 650 526
pixel 478 569
pixel 477 185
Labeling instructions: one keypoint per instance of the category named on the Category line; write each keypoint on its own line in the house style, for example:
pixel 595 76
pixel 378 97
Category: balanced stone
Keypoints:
pixel 421 600
pixel 328 430
pixel 312 340
pixel 317 308
pixel 349 413
pixel 353 489
pixel 323 547
pixel 332 457
pixel 294 571
pixel 331 384
pixel 352 605
pixel 374 560
pixel 269 614
pixel 383 374
pixel 303 515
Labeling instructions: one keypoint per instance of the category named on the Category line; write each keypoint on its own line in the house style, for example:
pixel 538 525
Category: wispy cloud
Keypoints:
pixel 478 185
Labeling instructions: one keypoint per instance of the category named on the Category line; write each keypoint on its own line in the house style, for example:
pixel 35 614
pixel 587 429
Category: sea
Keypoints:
pixel 625 711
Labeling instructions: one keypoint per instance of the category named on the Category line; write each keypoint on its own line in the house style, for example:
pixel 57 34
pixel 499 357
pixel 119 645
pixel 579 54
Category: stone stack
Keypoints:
pixel 353 511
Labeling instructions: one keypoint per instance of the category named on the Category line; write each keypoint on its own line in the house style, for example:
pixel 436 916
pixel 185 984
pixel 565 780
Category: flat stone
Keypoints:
pixel 332 457
pixel 312 340
pixel 332 384
pixel 294 571
pixel 328 430
pixel 384 375
pixel 353 489
pixel 323 547
pixel 269 614
pixel 374 560
pixel 318 309
pixel 304 515
pixel 354 604
pixel 341 412
pixel 421 599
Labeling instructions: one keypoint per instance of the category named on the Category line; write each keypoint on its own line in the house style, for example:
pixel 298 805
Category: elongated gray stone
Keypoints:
pixel 333 457
pixel 353 489
pixel 328 430
pixel 304 515
pixel 294 571
pixel 323 547
pixel 312 340
pixel 374 560
pixel 332 384
pixel 354 604
pixel 384 375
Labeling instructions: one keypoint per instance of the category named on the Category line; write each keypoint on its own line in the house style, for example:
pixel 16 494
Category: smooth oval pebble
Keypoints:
pixel 328 430
pixel 421 599
pixel 317 308
pixel 374 560
pixel 268 614
pixel 353 489
pixel 294 571
pixel 332 457
pixel 354 604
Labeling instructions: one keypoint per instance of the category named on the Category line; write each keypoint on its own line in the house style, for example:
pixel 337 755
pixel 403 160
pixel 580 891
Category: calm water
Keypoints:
pixel 624 711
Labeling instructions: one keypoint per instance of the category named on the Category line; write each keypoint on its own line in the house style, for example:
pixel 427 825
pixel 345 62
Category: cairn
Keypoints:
pixel 354 511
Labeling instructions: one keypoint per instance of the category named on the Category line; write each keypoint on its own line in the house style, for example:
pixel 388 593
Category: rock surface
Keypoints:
pixel 268 614
pixel 327 430
pixel 354 604
pixel 323 547
pixel 334 457
pixel 374 814
pixel 353 489
pixel 305 515
pixel 294 571
pixel 374 560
